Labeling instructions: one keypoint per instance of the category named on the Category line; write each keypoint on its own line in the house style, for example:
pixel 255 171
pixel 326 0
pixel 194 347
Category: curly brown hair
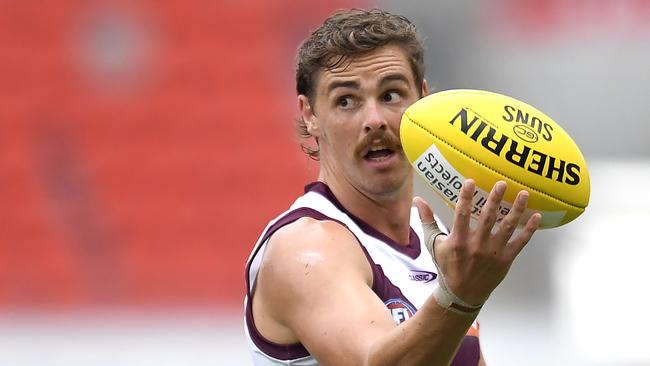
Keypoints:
pixel 346 34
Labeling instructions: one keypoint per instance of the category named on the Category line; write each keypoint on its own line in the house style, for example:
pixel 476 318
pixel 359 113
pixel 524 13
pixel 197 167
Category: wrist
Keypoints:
pixel 450 301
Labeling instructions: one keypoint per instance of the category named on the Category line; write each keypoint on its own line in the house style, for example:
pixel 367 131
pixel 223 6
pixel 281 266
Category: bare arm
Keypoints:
pixel 315 283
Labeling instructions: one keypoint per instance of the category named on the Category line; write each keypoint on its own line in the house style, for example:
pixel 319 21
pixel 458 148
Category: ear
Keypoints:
pixel 425 88
pixel 308 116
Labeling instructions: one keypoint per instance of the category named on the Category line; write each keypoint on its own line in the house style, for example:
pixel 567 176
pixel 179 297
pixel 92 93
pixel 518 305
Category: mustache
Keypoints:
pixel 384 137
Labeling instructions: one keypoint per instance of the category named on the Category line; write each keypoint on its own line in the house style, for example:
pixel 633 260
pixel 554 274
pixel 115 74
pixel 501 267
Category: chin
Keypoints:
pixel 389 186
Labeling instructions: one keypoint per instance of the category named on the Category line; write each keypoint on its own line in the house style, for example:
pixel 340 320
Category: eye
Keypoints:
pixel 392 97
pixel 345 102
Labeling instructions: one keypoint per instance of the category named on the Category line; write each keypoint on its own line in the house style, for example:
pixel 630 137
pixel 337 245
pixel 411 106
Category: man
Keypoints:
pixel 346 275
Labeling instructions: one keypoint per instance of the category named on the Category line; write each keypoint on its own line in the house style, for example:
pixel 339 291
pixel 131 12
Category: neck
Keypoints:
pixel 388 213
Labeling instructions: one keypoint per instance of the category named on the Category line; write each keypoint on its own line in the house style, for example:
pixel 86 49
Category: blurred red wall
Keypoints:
pixel 143 147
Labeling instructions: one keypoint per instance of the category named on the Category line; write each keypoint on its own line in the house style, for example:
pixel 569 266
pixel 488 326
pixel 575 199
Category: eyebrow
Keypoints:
pixel 353 84
pixel 393 77
pixel 343 84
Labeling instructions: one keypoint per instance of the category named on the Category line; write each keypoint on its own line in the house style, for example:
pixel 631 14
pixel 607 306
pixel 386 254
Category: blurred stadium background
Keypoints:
pixel 144 145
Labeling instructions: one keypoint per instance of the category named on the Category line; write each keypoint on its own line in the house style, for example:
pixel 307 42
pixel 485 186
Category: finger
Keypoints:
pixel 425 212
pixel 488 215
pixel 523 237
pixel 463 209
pixel 511 221
pixel 429 224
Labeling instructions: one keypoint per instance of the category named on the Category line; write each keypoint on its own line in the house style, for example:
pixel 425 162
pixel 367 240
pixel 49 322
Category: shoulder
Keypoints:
pixel 309 245
pixel 315 281
pixel 308 261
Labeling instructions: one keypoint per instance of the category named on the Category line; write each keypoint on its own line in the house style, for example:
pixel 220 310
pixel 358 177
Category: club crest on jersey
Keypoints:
pixel 400 310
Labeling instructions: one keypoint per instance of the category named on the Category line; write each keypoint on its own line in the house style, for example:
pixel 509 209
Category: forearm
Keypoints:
pixel 431 337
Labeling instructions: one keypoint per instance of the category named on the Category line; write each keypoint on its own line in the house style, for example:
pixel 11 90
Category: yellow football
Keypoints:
pixel 457 134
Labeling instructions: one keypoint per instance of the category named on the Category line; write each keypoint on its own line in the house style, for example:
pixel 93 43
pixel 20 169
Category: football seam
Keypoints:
pixel 492 169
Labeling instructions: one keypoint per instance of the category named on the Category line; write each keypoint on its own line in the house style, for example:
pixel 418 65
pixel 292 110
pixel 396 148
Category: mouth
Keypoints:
pixel 378 153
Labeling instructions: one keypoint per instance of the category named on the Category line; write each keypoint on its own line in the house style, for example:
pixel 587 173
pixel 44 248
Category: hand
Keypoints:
pixel 475 261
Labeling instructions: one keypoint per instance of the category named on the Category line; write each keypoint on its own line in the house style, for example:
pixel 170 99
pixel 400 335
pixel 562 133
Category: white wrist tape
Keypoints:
pixel 448 300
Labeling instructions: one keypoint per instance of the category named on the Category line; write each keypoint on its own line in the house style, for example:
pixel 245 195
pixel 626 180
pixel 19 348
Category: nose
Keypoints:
pixel 375 119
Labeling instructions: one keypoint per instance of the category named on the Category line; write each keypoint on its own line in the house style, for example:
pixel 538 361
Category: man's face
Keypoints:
pixel 356 117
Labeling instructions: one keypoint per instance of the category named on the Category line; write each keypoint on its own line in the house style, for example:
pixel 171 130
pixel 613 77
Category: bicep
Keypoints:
pixel 323 293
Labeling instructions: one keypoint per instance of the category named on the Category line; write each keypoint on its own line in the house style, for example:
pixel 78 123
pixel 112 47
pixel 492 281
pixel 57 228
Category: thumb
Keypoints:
pixel 426 215
pixel 429 225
